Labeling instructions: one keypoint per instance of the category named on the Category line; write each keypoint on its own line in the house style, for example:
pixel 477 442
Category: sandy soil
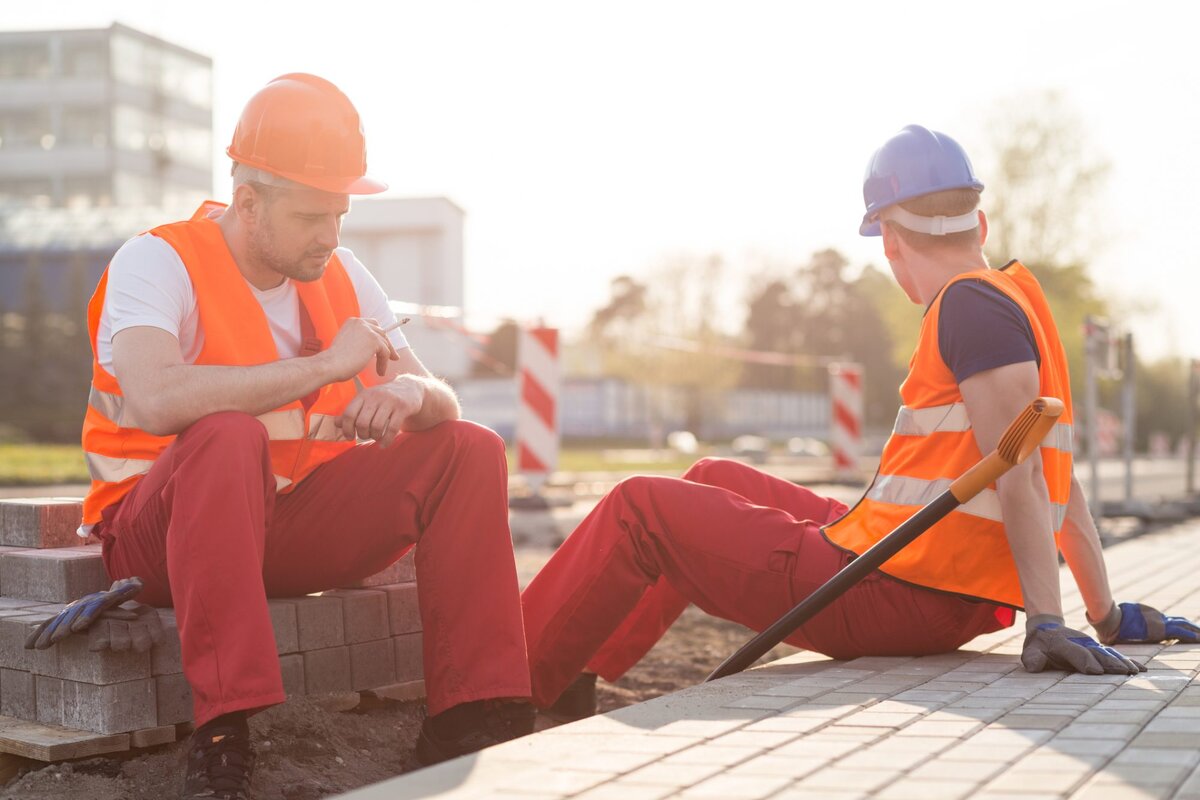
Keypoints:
pixel 306 752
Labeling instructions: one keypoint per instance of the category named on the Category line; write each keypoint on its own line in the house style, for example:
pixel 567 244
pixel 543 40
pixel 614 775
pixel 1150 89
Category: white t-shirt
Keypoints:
pixel 148 285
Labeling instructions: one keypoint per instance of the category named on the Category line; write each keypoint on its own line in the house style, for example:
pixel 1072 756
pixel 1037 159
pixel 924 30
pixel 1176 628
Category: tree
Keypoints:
pixel 500 353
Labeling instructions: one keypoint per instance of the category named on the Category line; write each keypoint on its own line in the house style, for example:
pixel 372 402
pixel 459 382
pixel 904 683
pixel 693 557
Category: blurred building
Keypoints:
pixel 100 118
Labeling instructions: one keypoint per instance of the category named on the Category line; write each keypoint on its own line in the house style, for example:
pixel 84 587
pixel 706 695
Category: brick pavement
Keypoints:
pixel 970 724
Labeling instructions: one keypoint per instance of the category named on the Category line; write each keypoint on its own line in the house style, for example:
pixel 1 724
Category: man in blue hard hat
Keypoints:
pixel 746 546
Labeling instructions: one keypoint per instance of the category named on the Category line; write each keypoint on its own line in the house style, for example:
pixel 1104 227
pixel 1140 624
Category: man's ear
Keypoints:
pixel 248 202
pixel 983 228
pixel 891 241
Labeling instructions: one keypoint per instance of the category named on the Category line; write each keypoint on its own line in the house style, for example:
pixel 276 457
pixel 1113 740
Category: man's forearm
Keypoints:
pixel 1025 505
pixel 1080 545
pixel 186 393
pixel 438 404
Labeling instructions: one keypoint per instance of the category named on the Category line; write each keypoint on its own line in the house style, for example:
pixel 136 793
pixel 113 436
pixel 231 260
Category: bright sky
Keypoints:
pixel 588 140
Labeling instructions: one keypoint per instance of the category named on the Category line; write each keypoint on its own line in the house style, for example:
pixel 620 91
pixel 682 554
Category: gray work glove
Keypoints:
pixel 1136 623
pixel 112 620
pixel 1049 643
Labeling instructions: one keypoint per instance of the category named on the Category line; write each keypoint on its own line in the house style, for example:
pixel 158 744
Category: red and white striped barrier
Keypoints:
pixel 537 416
pixel 846 395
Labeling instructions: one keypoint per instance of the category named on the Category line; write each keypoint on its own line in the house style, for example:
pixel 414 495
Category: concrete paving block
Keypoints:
pixel 40 522
pixel 319 622
pixel 327 670
pixel 53 576
pixel 114 708
pixel 13 655
pixel 409 658
pixel 77 663
pixel 364 614
pixel 372 664
pixel 291 666
pixel 283 622
pixel 173 699
pixel 404 614
pixel 17 694
pixel 402 571
pixel 49 692
pixel 165 657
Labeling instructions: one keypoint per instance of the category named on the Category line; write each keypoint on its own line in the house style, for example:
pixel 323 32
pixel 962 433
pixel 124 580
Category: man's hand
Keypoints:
pixel 379 412
pixel 117 626
pixel 1135 623
pixel 356 343
pixel 1053 645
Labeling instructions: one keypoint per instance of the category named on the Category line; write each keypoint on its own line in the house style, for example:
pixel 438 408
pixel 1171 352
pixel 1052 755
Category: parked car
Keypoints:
pixel 754 448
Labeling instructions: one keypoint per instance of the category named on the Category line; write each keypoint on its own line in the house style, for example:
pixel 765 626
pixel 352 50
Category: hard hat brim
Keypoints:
pixel 870 228
pixel 340 185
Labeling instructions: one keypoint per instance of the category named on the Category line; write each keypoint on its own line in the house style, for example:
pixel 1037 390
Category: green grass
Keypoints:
pixel 40 464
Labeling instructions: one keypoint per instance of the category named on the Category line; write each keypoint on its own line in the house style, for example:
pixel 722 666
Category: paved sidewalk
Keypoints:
pixel 970 724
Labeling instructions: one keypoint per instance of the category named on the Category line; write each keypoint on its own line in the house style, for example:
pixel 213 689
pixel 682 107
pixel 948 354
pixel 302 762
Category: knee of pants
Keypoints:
pixel 471 435
pixel 706 469
pixel 232 431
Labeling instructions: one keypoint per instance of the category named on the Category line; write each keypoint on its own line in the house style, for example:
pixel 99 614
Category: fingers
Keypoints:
pixel 1080 659
pixel 1115 663
pixel 1033 659
pixel 1182 629
pixel 119 638
pixel 35 640
pixel 98 636
pixel 140 637
pixel 152 622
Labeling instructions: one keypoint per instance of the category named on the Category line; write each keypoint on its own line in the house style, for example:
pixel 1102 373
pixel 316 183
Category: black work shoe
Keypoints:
pixel 220 761
pixel 578 700
pixel 473 726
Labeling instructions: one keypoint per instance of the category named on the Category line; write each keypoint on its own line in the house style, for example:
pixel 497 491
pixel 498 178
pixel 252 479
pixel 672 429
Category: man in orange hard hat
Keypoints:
pixel 240 356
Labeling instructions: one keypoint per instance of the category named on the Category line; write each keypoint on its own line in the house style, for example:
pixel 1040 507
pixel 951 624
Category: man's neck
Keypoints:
pixel 258 276
pixel 935 271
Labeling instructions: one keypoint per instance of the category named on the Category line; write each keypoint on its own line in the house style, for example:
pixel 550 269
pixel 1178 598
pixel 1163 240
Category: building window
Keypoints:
pixel 87 191
pixel 25 128
pixel 85 58
pixel 25 60
pixel 85 127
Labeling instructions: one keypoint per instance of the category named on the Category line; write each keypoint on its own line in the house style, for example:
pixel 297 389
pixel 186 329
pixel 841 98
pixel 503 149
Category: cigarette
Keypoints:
pixel 396 324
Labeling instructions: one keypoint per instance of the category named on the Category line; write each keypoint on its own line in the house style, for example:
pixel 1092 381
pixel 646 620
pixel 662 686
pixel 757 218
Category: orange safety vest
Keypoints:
pixel 236 333
pixel 932 443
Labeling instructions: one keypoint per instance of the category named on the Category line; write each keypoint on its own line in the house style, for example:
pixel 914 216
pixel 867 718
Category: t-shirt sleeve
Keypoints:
pixel 147 285
pixel 980 328
pixel 372 300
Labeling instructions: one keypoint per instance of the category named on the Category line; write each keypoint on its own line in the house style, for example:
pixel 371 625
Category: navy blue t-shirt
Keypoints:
pixel 981 328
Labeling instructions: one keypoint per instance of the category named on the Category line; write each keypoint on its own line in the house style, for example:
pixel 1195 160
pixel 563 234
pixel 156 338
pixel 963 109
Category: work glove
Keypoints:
pixel 1135 623
pixel 111 619
pixel 1049 643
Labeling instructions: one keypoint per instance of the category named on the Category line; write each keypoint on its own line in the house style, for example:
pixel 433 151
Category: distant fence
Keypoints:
pixel 613 408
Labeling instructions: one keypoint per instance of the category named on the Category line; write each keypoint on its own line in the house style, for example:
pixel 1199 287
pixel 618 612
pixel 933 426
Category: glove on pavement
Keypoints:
pixel 1136 623
pixel 1052 644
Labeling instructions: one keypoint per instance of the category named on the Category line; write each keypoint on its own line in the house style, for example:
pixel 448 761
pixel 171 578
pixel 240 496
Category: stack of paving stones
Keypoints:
pixel 969 724
pixel 366 637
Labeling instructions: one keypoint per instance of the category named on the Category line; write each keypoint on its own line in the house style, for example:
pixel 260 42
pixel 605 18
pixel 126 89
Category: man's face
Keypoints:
pixel 297 230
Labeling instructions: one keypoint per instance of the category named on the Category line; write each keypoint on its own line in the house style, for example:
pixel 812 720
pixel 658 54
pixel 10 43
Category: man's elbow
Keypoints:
pixel 153 416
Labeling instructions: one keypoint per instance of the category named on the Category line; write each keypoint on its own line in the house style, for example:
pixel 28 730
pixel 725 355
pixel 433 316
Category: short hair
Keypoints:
pixel 265 182
pixel 950 203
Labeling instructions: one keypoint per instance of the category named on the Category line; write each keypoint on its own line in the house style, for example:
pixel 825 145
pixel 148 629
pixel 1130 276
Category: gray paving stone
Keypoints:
pixel 76 663
pixel 173 699
pixel 364 614
pixel 13 655
pixel 372 664
pixel 404 613
pixel 165 657
pixel 49 693
pixel 327 670
pixel 53 576
pixel 409 657
pixel 737 787
pixel 17 694
pixel 402 571
pixel 319 622
pixel 113 708
pixel 283 623
pixel 291 667
pixel 40 522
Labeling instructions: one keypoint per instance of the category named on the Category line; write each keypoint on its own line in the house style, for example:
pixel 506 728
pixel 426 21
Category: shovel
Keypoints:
pixel 1023 436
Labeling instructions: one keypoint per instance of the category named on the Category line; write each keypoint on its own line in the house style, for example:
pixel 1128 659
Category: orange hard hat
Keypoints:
pixel 303 128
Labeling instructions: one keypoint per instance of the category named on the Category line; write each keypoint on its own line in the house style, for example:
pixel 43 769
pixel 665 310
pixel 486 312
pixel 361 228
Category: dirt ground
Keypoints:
pixel 306 752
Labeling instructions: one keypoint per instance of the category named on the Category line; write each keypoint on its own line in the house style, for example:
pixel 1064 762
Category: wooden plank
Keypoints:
pixel 149 737
pixel 53 743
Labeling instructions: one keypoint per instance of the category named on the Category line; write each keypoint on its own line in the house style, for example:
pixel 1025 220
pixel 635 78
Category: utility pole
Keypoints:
pixel 1128 410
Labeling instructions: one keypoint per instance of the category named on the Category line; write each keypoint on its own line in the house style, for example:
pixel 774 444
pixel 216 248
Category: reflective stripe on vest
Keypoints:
pixel 115 470
pixel 903 491
pixel 953 418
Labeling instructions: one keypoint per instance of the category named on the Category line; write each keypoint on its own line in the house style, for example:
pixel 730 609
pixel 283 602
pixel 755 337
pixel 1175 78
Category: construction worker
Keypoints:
pixel 747 547
pixel 239 357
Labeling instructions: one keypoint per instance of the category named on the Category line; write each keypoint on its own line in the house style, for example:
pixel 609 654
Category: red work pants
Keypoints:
pixel 207 533
pixel 740 544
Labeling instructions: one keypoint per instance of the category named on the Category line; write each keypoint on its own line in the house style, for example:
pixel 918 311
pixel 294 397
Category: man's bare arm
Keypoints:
pixel 994 398
pixel 1080 545
pixel 164 394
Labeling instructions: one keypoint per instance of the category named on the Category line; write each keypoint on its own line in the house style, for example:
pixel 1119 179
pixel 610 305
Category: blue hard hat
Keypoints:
pixel 914 162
